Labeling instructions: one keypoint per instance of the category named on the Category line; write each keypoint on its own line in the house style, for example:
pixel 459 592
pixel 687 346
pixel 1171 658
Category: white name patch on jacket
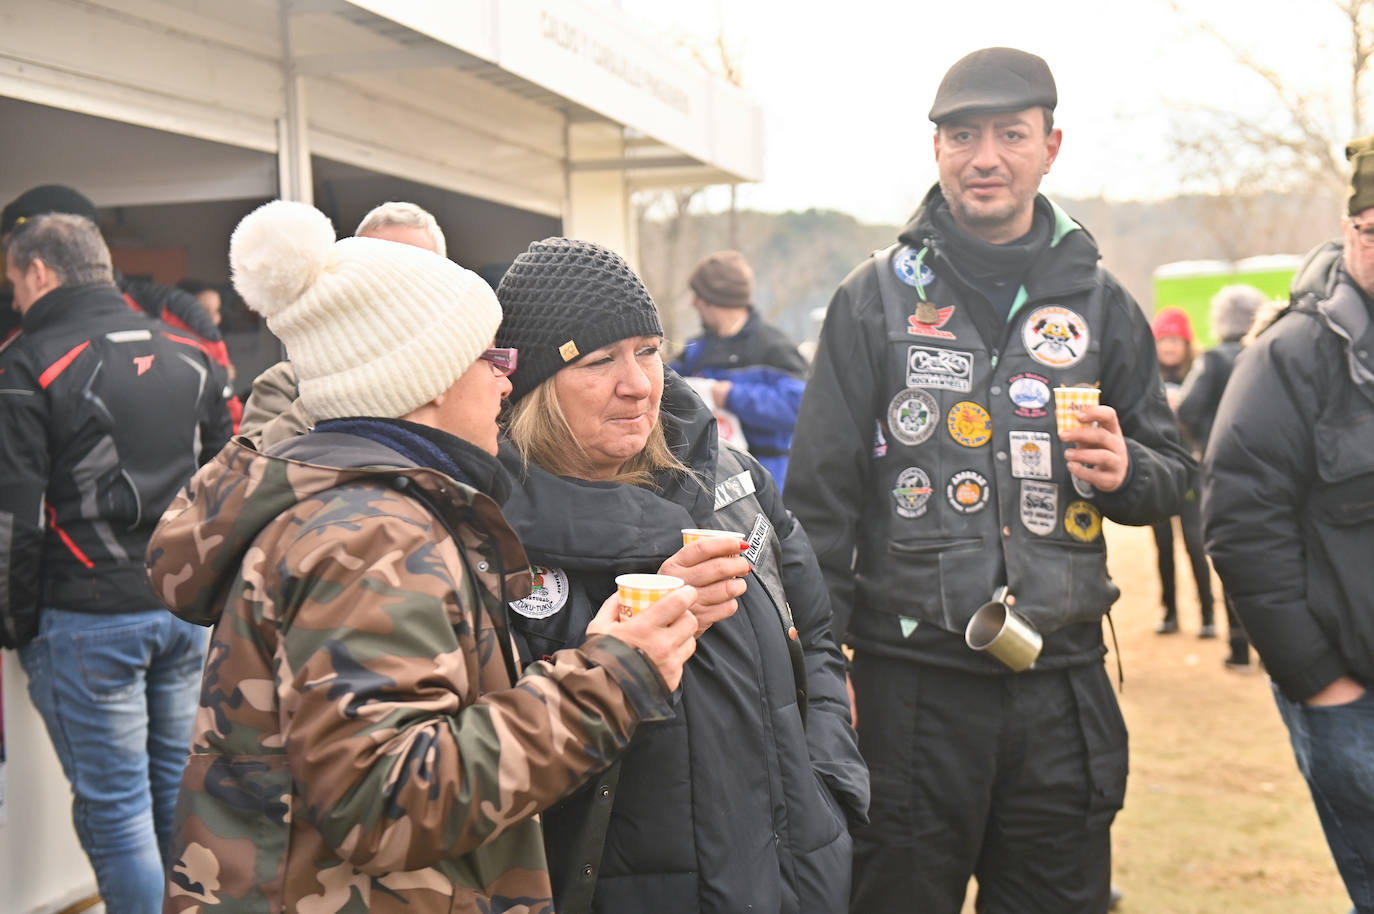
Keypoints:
pixel 731 490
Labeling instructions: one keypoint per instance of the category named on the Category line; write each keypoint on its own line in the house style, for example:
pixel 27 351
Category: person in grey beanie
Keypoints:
pixel 1233 312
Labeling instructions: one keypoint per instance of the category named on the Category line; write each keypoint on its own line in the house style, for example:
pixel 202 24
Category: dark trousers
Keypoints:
pixel 1014 779
pixel 1190 520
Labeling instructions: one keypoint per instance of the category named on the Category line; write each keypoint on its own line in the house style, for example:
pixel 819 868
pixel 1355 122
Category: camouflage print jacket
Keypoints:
pixel 359 744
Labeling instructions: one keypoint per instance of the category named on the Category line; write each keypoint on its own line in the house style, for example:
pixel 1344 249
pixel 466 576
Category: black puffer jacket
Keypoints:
pixel 732 806
pixel 1289 484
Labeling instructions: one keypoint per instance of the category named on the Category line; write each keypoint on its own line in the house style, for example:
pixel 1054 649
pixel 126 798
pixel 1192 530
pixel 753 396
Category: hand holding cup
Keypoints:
pixel 713 563
pixel 1097 453
pixel 664 631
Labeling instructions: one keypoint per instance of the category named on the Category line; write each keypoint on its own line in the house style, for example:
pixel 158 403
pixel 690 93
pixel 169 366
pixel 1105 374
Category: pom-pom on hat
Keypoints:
pixel 373 327
pixel 564 298
pixel 1172 321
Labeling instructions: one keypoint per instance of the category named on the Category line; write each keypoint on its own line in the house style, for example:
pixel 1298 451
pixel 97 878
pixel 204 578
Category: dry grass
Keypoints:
pixel 1217 818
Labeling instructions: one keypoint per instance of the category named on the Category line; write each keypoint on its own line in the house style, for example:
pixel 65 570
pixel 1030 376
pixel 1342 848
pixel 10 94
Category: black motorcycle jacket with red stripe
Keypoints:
pixel 104 415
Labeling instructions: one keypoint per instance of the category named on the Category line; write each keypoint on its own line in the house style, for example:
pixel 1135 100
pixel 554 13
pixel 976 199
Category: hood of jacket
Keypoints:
pixel 578 523
pixel 199 544
pixel 1323 286
pixel 1075 266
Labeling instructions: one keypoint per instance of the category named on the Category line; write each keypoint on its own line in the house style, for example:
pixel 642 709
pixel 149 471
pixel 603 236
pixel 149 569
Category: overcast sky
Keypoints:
pixel 845 86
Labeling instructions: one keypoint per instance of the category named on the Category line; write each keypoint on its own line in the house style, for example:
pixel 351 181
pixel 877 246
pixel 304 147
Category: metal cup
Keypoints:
pixel 1003 633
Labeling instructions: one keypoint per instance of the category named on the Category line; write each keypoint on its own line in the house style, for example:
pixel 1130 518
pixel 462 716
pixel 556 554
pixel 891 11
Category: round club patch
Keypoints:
pixel 909 271
pixel 912 416
pixel 1030 393
pixel 548 596
pixel 1055 336
pixel 1083 521
pixel 969 424
pixel 911 492
pixel 967 492
pixel 1083 488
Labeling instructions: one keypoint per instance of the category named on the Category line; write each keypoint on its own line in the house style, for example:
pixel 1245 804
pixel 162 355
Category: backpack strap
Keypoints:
pixel 735 510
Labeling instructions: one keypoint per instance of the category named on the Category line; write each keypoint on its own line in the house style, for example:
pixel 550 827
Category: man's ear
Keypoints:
pixel 1052 143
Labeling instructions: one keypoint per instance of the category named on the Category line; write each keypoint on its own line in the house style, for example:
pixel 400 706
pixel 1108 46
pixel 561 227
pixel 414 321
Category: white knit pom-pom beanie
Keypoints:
pixel 373 328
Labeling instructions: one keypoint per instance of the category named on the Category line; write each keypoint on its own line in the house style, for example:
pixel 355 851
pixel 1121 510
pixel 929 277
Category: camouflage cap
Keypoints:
pixel 1361 155
pixel 994 79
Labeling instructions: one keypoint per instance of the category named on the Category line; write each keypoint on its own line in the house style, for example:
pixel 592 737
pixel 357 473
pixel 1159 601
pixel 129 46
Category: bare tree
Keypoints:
pixel 720 57
pixel 1252 169
pixel 664 256
pixel 662 263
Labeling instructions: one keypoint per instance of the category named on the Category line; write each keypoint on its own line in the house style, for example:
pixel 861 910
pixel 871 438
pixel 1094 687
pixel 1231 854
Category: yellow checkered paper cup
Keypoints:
pixel 691 534
pixel 1069 400
pixel 637 591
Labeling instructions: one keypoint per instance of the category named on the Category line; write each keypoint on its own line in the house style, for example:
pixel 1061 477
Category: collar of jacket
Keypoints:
pixel 62 304
pixel 1073 268
pixel 1323 286
pixel 747 328
pixel 1346 312
pixel 241 491
pixel 610 526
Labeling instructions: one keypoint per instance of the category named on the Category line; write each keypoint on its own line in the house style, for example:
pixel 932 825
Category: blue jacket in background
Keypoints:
pixel 767 375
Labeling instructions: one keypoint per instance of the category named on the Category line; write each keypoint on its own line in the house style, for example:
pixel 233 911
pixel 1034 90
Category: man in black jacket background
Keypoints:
pixel 104 415
pixel 1289 514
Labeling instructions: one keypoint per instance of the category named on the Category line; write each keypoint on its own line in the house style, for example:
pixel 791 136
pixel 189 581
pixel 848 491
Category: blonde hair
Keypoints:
pixel 540 431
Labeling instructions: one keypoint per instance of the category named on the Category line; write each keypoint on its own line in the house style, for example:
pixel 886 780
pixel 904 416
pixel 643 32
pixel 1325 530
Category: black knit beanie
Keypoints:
pixel 46 198
pixel 564 298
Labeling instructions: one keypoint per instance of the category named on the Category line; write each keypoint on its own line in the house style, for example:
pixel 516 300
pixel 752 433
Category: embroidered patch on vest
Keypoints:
pixel 1039 507
pixel 1083 521
pixel 967 491
pixel 969 424
pixel 905 266
pixel 1031 455
pixel 945 369
pixel 1083 487
pixel 912 416
pixel 548 596
pixel 1055 336
pixel 729 491
pixel 911 492
pixel 1030 393
pixel 917 327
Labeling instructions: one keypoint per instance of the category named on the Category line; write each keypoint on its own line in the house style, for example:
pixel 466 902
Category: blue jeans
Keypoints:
pixel 1334 746
pixel 118 693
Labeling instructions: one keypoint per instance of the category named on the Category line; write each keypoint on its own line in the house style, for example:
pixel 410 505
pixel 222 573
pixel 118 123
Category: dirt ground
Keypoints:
pixel 1217 818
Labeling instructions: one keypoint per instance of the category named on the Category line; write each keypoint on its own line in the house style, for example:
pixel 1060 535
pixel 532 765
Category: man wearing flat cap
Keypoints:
pixel 754 371
pixel 933 481
pixel 1289 513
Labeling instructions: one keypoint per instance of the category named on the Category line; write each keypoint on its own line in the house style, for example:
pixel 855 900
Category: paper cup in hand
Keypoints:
pixel 691 534
pixel 637 591
pixel 1068 401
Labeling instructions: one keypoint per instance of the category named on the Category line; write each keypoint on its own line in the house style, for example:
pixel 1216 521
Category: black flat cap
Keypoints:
pixel 994 79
